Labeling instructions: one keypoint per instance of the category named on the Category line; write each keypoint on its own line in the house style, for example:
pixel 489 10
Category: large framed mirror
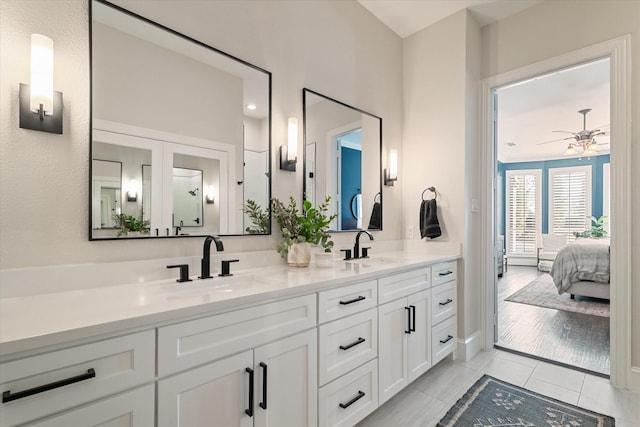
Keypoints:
pixel 188 125
pixel 342 159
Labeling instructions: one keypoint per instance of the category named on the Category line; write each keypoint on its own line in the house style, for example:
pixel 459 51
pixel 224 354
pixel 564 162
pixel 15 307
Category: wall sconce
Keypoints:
pixel 289 152
pixel 391 173
pixel 209 197
pixel 40 105
pixel 132 192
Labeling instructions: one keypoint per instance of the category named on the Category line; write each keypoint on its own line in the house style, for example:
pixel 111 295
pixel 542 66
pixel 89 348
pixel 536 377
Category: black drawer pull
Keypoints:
pixel 448 301
pixel 353 344
pixel 351 301
pixel 446 340
pixel 408 330
pixel 352 401
pixel 250 410
pixel 263 404
pixel 7 396
pixel 413 318
pixel 446 273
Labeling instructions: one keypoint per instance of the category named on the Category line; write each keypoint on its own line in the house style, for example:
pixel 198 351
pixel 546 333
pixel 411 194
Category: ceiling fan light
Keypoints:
pixel 589 152
pixel 571 151
pixel 593 147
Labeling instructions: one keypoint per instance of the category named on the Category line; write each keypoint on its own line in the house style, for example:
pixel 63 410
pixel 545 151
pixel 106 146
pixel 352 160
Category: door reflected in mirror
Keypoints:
pixel 343 160
pixel 186 105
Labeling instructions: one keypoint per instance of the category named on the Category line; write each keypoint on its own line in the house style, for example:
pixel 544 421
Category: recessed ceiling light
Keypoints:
pixel 251 106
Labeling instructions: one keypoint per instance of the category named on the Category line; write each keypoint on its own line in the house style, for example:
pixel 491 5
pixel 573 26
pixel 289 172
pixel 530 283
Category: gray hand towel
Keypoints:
pixel 429 225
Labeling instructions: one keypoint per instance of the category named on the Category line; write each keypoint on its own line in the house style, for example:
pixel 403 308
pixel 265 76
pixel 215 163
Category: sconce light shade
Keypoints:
pixel 391 173
pixel 40 105
pixel 289 152
pixel 132 192
pixel 209 198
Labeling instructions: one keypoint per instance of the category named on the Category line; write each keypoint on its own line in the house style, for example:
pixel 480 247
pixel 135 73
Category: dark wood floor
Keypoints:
pixel 573 339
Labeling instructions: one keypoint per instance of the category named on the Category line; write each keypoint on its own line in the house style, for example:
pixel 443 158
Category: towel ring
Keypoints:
pixel 433 190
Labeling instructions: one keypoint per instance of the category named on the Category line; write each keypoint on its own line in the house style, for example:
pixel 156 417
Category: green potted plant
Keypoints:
pixel 597 229
pixel 130 225
pixel 259 218
pixel 302 229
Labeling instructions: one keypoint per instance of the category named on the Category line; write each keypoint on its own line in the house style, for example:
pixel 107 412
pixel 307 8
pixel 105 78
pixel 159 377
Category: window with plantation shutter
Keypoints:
pixel 523 215
pixel 569 200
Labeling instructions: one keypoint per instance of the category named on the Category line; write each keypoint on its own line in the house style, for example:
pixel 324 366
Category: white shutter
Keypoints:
pixel 569 200
pixel 523 211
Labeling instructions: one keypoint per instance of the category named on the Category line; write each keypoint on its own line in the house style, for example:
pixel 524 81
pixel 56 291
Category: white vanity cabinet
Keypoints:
pixel 40 386
pixel 444 308
pixel 255 374
pixel 348 351
pixel 404 331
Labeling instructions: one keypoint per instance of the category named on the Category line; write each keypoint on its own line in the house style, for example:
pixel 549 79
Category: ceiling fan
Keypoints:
pixel 584 139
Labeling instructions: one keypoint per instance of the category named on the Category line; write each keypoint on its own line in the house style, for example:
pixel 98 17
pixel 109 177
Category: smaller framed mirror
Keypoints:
pixel 342 159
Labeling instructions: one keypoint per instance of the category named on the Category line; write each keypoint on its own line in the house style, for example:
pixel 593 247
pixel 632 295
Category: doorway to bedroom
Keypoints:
pixel 552 199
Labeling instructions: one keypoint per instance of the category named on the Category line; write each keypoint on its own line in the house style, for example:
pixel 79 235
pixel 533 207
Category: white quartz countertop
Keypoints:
pixel 35 321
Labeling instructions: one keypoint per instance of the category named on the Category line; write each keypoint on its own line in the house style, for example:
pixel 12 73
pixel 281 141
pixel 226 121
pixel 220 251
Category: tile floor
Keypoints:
pixel 424 402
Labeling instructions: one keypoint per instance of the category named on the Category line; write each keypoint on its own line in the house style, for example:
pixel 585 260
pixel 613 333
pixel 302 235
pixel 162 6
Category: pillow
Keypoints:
pixel 553 242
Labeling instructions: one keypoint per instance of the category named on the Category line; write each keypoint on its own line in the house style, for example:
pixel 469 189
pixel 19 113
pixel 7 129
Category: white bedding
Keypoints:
pixel 581 260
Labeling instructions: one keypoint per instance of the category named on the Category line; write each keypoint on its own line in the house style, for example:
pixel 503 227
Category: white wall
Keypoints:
pixel 546 31
pixel 436 133
pixel 44 220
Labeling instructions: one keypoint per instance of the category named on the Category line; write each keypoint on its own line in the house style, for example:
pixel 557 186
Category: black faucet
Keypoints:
pixel 205 263
pixel 356 247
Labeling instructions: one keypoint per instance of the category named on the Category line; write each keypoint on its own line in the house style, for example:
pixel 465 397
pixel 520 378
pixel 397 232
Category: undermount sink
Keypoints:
pixel 372 261
pixel 216 285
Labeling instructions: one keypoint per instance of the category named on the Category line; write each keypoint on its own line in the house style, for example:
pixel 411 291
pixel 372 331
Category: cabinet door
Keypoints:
pixel 290 396
pixel 216 394
pixel 393 330
pixel 131 409
pixel 419 341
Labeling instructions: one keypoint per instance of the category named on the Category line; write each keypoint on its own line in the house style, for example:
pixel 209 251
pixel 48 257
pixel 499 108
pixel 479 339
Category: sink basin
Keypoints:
pixel 373 261
pixel 217 285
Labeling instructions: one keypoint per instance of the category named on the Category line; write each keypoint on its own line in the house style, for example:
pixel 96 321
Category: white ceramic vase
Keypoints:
pixel 323 259
pixel 299 255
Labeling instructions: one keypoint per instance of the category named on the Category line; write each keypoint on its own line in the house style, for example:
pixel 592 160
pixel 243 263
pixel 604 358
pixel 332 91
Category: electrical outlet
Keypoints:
pixel 410 232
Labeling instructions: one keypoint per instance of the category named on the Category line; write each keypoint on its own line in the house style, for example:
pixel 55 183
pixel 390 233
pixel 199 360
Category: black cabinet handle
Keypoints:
pixel 250 410
pixel 448 301
pixel 263 404
pixel 352 401
pixel 7 396
pixel 446 340
pixel 351 301
pixel 408 330
pixel 353 344
pixel 446 273
pixel 413 318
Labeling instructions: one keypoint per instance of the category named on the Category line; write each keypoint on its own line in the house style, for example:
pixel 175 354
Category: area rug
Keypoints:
pixel 543 293
pixel 491 402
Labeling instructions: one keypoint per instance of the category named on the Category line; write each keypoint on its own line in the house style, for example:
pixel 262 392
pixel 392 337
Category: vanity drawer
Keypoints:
pixel 346 344
pixel 195 342
pixel 443 272
pixel 93 370
pixel 337 404
pixel 336 303
pixel 443 302
pixel 403 284
pixel 443 339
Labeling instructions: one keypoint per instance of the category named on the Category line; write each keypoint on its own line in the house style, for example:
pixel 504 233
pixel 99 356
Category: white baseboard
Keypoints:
pixel 468 347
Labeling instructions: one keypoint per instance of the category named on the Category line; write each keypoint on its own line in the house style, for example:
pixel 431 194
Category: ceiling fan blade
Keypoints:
pixel 554 140
pixel 564 131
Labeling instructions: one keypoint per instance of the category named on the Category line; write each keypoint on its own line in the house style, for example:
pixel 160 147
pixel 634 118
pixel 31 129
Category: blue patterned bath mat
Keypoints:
pixel 491 402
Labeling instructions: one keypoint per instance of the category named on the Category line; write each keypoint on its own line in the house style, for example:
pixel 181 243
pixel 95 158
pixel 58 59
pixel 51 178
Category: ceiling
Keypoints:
pixel 528 112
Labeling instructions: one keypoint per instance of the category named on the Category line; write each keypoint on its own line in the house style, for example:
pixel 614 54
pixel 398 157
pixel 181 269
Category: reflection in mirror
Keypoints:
pixel 188 106
pixel 187 197
pixel 107 185
pixel 342 160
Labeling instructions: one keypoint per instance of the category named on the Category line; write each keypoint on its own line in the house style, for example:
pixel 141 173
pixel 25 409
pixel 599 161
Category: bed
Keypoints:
pixel 582 268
